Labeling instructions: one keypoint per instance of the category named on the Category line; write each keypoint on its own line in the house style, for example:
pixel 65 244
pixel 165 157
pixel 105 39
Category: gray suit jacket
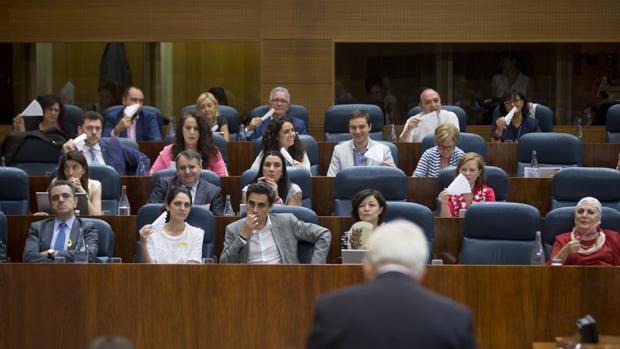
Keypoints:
pixel 287 231
pixel 343 156
pixel 206 193
pixel 40 237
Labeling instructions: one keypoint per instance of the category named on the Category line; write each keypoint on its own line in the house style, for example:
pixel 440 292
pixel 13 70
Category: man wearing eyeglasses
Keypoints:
pixel 279 101
pixel 141 126
pixel 419 126
pixel 271 238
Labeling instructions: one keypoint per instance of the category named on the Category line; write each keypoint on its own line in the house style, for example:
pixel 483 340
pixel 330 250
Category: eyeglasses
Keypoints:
pixel 512 101
pixel 260 205
pixel 447 147
pixel 279 101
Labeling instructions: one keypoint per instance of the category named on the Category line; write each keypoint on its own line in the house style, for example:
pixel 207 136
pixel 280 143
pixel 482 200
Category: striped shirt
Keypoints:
pixel 428 166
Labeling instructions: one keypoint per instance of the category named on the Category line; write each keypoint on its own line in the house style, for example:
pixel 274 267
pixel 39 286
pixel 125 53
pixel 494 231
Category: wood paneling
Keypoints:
pixel 202 306
pixel 297 61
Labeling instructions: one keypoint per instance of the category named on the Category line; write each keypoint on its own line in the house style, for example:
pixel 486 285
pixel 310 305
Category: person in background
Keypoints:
pixel 419 126
pixel 368 205
pixel 392 310
pixel 209 106
pixel 272 171
pixel 74 168
pixel 174 241
pixel 192 133
pixel 281 134
pixel 587 243
pixel 53 112
pixel 444 154
pixel 521 123
pixel 510 78
pixel 471 165
pixel 142 126
pixel 279 101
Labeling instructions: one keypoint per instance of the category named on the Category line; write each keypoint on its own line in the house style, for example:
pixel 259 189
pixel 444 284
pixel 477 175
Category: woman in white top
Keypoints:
pixel 272 172
pixel 281 134
pixel 175 241
pixel 74 168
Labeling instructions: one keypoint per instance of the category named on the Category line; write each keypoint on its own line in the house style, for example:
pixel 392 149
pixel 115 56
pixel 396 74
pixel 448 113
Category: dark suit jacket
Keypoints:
pixel 206 193
pixel 300 127
pixel 40 237
pixel 147 128
pixel 393 311
pixel 122 158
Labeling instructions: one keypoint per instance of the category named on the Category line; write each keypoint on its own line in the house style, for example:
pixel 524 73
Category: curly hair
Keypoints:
pixel 272 134
pixel 205 145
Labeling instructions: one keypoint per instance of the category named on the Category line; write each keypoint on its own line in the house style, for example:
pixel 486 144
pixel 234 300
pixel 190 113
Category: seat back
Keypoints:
pixel 468 142
pixel 415 213
pixel 391 182
pixel 110 186
pixel 612 128
pixel 460 114
pixel 106 238
pixel 336 123
pixel 199 217
pixel 312 149
pixel 296 110
pixel 220 142
pixel 543 114
pixel 304 249
pixel 508 239
pixel 4 235
pixel 36 156
pixel 562 220
pixel 71 119
pixel 297 175
pixel 207 175
pixel 570 185
pixel 128 142
pixel 552 149
pixel 15 193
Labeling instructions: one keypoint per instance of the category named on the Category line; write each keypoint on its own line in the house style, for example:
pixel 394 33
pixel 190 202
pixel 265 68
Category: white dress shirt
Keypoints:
pixel 429 123
pixel 263 247
pixel 98 155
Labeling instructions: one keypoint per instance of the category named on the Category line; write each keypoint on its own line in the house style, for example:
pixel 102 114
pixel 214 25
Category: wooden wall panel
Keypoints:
pixel 297 61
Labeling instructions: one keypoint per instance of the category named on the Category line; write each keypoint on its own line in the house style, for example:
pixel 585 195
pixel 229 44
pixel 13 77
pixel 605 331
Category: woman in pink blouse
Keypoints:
pixel 471 165
pixel 192 133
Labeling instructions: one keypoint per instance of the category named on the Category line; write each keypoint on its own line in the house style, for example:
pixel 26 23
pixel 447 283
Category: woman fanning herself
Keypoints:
pixel 74 168
pixel 588 243
pixel 521 122
pixel 281 134
pixel 174 241
pixel 192 133
pixel 471 166
pixel 272 171
pixel 368 206
pixel 53 111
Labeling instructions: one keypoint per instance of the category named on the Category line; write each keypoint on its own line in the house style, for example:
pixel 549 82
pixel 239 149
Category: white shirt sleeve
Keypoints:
pixel 195 245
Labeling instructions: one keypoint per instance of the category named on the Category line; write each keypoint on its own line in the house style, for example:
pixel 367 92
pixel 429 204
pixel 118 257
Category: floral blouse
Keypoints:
pixel 481 193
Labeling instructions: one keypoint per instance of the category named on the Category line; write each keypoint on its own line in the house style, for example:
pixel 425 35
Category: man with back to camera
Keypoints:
pixel 58 236
pixel 279 101
pixel 271 238
pixel 189 164
pixel 351 153
pixel 419 126
pixel 142 126
pixel 392 310
pixel 107 150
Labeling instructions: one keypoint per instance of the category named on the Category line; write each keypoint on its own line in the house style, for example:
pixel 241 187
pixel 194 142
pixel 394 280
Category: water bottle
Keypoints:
pixel 81 249
pixel 538 255
pixel 534 165
pixel 392 133
pixel 579 128
pixel 241 136
pixel 3 162
pixel 228 210
pixel 123 204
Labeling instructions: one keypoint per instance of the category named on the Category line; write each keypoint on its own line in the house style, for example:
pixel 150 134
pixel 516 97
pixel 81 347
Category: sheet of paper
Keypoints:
pixel 33 109
pixel 510 114
pixel 132 109
pixel 80 141
pixel 374 153
pixel 459 185
pixel 267 115
pixel 161 219
pixel 286 155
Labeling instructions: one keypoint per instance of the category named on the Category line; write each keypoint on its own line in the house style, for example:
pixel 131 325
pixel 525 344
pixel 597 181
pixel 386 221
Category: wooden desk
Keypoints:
pixel 204 306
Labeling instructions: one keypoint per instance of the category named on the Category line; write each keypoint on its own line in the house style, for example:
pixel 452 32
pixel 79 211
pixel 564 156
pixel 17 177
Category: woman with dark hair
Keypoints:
pixel 53 112
pixel 272 171
pixel 192 133
pixel 74 168
pixel 173 241
pixel 281 134
pixel 504 130
pixel 367 206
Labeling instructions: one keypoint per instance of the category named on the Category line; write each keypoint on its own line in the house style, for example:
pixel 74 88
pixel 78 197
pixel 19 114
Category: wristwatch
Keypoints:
pixel 51 252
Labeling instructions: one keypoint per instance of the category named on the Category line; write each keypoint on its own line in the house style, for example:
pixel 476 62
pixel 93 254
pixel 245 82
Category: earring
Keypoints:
pixel 167 216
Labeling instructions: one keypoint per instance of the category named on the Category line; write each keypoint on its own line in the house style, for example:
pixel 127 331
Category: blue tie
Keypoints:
pixel 93 156
pixel 59 245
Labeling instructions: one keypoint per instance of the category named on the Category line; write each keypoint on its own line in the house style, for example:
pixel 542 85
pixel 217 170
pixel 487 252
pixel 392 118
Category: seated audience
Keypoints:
pixel 281 134
pixel 269 238
pixel 107 150
pixel 142 126
pixel 53 112
pixel 272 171
pixel 588 243
pixel 192 133
pixel 74 168
pixel 419 126
pixel 369 206
pixel 522 121
pixel 279 101
pixel 351 153
pixel 471 165
pixel 174 241
pixel 188 165
pixel 444 154
pixel 58 236
pixel 207 104
pixel 392 310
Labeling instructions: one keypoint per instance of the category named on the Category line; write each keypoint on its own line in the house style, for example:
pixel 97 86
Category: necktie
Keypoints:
pixel 59 245
pixel 190 191
pixel 93 156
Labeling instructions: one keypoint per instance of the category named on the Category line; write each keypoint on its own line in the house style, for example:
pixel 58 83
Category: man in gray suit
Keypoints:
pixel 351 153
pixel 269 238
pixel 58 236
pixel 189 165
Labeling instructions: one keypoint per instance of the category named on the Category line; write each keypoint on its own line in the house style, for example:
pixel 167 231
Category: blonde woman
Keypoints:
pixel 208 105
